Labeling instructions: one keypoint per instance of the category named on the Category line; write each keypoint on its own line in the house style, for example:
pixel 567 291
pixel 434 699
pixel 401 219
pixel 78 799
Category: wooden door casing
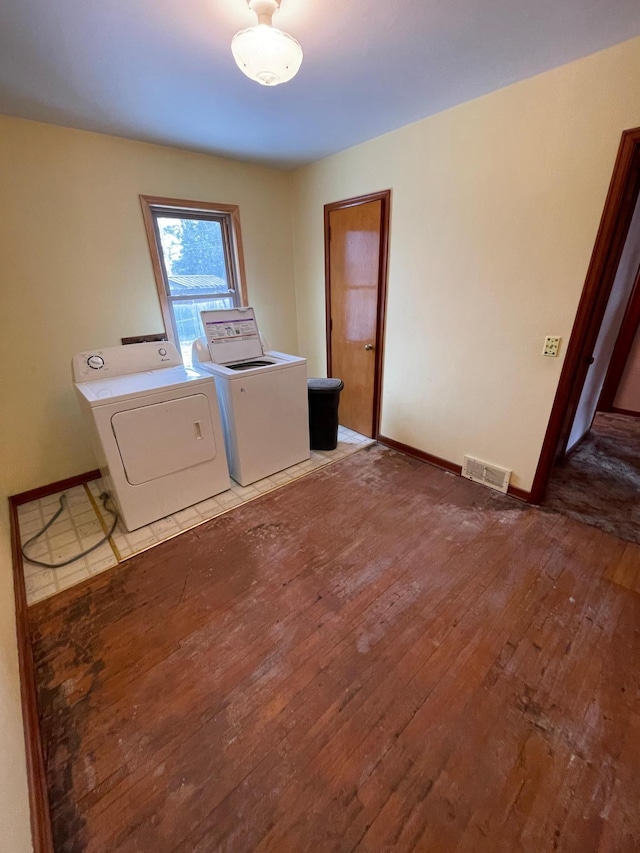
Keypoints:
pixel 356 246
pixel 612 233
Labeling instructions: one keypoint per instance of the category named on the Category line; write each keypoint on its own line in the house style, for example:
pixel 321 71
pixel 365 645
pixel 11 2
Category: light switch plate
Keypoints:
pixel 551 346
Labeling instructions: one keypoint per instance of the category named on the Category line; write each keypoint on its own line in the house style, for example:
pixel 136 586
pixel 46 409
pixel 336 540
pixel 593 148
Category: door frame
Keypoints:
pixel 384 196
pixel 612 233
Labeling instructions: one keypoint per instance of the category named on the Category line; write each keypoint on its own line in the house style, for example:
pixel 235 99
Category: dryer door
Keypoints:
pixel 164 438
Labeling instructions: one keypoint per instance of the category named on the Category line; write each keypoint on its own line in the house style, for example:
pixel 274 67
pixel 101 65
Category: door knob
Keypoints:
pixel 368 347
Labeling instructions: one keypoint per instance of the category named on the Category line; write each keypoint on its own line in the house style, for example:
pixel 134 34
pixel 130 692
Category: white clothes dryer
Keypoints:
pixel 156 429
pixel 262 394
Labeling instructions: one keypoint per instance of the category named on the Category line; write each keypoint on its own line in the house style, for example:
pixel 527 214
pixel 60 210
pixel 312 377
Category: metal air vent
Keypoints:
pixel 489 475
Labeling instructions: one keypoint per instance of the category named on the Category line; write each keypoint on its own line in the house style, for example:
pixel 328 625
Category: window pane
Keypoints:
pixel 188 322
pixel 193 252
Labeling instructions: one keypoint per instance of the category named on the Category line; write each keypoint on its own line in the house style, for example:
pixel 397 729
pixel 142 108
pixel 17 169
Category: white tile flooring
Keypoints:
pixel 79 526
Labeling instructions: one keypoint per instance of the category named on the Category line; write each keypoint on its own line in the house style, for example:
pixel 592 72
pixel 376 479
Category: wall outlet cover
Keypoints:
pixel 551 346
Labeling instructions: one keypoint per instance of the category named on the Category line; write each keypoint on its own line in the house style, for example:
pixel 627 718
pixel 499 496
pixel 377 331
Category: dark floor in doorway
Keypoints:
pixel 600 482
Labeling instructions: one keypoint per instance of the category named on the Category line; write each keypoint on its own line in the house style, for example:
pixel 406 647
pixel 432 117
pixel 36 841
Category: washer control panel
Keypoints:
pixel 123 360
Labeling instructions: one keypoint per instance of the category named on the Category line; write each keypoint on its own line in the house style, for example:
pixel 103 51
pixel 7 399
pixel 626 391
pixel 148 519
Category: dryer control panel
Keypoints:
pixel 123 360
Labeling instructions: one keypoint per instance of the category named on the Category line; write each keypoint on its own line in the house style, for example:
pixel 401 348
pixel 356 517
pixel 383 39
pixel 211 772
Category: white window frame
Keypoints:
pixel 228 215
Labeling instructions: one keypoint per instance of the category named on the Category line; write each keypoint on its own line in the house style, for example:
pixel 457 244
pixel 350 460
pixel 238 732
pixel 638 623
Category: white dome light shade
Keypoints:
pixel 266 54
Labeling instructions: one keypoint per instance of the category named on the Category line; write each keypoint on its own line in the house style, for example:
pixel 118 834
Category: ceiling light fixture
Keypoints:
pixel 264 53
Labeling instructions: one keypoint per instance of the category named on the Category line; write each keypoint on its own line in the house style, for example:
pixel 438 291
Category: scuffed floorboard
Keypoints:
pixel 380 656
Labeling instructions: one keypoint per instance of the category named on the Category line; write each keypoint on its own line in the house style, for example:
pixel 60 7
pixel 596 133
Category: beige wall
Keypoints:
pixel 495 208
pixel 75 273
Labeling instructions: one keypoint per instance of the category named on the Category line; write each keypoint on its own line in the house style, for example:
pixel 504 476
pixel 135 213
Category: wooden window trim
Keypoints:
pixel 189 207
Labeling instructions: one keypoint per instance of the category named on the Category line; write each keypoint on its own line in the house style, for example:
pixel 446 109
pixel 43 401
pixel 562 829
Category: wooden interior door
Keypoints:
pixel 356 249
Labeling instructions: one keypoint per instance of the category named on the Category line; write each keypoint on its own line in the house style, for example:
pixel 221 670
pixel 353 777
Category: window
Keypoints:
pixel 196 251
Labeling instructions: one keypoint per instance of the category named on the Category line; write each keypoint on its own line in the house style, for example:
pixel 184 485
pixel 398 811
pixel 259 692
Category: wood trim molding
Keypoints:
pixel 147 203
pixel 629 412
pixel 53 488
pixel 383 277
pixel 358 199
pixel 189 204
pixel 141 339
pixel 158 271
pixel 519 494
pixel 444 464
pixel 612 232
pixel 327 289
pixel 40 816
pixel 238 255
pixel 384 197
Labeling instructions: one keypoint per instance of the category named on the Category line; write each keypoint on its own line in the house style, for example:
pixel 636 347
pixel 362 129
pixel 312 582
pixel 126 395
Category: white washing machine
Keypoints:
pixel 156 429
pixel 263 395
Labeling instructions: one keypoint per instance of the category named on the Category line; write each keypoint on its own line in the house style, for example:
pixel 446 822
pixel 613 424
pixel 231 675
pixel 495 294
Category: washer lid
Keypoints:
pixel 277 361
pixel 232 335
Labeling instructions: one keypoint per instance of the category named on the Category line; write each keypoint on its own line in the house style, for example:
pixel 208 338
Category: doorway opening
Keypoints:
pixel 356 236
pixel 585 428
pixel 599 482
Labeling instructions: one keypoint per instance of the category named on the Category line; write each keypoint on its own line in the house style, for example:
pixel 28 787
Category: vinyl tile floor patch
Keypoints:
pixel 83 522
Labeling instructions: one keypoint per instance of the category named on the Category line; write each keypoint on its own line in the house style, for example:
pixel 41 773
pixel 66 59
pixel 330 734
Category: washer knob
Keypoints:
pixel 162 351
pixel 95 362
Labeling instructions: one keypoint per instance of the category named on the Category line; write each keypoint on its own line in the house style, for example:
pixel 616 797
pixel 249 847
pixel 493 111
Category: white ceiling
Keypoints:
pixel 162 70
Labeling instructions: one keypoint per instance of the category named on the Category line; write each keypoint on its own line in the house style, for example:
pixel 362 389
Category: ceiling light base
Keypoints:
pixel 264 9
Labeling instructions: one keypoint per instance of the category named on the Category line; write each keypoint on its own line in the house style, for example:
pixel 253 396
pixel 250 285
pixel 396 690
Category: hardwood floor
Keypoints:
pixel 380 656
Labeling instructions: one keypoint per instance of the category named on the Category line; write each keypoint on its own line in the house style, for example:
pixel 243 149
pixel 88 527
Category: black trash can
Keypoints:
pixel 324 396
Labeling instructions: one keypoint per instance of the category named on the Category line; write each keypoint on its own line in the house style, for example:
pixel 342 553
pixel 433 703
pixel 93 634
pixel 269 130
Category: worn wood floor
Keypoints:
pixel 599 482
pixel 380 656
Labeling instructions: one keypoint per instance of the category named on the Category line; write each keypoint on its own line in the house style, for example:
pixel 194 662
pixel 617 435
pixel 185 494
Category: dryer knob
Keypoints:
pixel 95 362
